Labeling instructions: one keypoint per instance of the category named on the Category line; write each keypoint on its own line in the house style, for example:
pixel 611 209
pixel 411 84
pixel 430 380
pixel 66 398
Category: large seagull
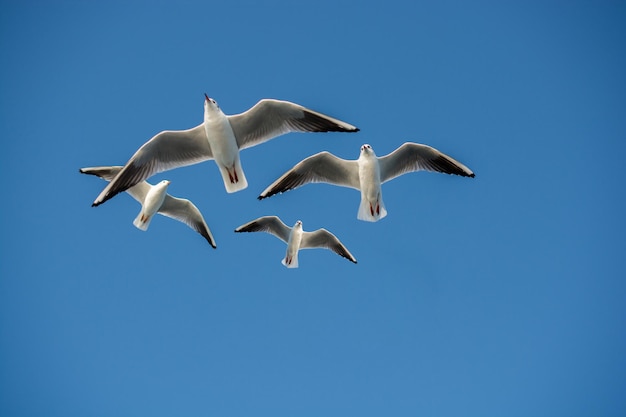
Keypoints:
pixel 296 238
pixel 154 199
pixel 367 174
pixel 220 137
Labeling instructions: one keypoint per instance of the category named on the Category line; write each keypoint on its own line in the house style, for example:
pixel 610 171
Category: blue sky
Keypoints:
pixel 496 296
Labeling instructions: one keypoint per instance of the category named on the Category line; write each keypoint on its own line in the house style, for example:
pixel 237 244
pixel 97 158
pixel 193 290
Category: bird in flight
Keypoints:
pixel 154 199
pixel 296 238
pixel 367 174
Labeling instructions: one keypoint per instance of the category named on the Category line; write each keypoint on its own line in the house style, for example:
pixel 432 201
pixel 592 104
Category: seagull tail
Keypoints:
pixel 234 178
pixel 371 211
pixel 290 262
pixel 142 221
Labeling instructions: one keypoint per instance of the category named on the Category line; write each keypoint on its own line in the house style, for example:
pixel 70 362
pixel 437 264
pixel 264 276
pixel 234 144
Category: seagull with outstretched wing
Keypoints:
pixel 296 238
pixel 367 174
pixel 154 199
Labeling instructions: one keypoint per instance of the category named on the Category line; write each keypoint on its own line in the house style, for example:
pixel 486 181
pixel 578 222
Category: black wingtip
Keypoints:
pixel 356 129
pixel 81 170
pixel 260 197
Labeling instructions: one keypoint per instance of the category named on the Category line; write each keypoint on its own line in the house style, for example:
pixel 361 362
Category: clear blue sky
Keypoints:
pixel 502 295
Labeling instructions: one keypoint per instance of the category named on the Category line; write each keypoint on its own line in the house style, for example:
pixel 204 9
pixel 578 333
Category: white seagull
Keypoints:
pixel 220 137
pixel 296 238
pixel 154 199
pixel 366 174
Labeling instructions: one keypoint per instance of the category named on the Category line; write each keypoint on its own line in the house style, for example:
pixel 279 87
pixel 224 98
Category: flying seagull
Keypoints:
pixel 220 137
pixel 367 174
pixel 154 199
pixel 296 238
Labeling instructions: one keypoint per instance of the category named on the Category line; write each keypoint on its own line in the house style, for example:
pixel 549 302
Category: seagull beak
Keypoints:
pixel 206 97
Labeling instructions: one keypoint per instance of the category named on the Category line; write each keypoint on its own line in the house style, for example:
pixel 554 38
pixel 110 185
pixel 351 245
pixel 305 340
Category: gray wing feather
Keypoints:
pixel 268 224
pixel 167 150
pixel 324 239
pixel 271 118
pixel 106 173
pixel 185 211
pixel 412 157
pixel 137 191
pixel 321 167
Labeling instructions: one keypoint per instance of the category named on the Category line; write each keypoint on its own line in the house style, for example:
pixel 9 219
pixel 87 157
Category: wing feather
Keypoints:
pixel 321 167
pixel 411 157
pixel 271 118
pixel 268 224
pixel 324 239
pixel 185 211
pixel 137 191
pixel 167 150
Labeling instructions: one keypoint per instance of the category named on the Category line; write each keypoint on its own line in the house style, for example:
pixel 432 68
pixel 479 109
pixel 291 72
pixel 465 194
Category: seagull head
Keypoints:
pixel 210 104
pixel 367 149
pixel 164 183
pixel 298 224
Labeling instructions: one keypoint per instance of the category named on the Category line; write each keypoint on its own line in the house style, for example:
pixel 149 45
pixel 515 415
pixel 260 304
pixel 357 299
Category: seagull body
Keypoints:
pixel 154 199
pixel 296 238
pixel 223 145
pixel 372 206
pixel 367 174
pixel 293 246
pixel 219 137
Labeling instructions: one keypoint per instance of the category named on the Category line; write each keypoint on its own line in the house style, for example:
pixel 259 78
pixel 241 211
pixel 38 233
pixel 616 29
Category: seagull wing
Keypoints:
pixel 185 211
pixel 137 191
pixel 167 150
pixel 321 167
pixel 322 238
pixel 412 157
pixel 271 118
pixel 268 224
pixel 106 173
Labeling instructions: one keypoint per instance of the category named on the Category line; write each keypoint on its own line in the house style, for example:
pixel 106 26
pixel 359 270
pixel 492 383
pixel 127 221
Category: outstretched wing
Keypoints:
pixel 137 191
pixel 412 157
pixel 167 150
pixel 321 167
pixel 322 238
pixel 268 224
pixel 185 211
pixel 271 118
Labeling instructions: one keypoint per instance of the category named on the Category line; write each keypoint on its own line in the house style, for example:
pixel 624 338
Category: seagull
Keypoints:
pixel 296 238
pixel 154 199
pixel 367 174
pixel 220 137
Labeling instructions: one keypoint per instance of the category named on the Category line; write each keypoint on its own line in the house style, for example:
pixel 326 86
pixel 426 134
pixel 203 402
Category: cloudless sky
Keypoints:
pixel 502 295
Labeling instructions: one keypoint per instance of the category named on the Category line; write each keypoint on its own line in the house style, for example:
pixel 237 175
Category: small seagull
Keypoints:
pixel 220 137
pixel 367 174
pixel 296 238
pixel 154 199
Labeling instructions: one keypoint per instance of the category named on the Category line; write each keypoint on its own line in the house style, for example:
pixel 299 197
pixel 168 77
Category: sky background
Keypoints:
pixel 502 295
